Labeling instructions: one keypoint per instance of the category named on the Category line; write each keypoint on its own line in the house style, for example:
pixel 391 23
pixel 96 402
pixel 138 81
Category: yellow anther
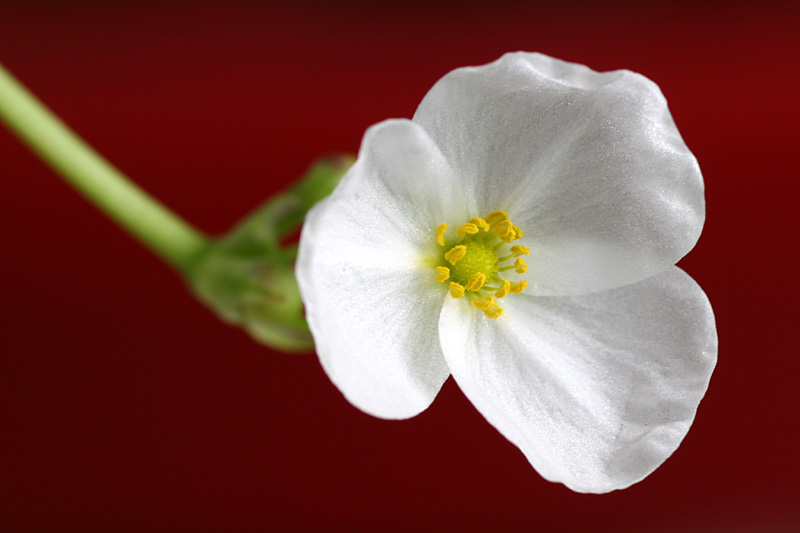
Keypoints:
pixel 511 236
pixel 517 288
pixel 440 234
pixel 483 302
pixel 493 311
pixel 503 228
pixel 456 290
pixel 456 253
pixel 495 217
pixel 504 289
pixel 476 282
pixel 518 250
pixel 472 229
pixel 481 274
pixel 478 221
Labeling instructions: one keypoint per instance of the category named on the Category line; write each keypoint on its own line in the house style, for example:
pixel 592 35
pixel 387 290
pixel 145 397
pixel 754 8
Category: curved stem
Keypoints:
pixel 166 234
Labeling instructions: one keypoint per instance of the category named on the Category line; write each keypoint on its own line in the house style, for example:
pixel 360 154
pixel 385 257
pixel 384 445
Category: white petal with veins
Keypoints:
pixel 596 390
pixel 590 164
pixel 372 303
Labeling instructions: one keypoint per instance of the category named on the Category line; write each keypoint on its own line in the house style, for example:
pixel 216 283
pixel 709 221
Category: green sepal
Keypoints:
pixel 247 276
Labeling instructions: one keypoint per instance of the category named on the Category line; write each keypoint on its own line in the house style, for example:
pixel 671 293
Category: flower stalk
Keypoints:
pixel 246 277
pixel 159 229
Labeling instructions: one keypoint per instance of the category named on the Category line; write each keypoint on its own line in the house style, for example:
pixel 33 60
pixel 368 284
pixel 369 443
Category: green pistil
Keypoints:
pixel 480 257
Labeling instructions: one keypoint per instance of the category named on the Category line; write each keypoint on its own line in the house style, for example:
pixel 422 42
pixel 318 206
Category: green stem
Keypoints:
pixel 166 234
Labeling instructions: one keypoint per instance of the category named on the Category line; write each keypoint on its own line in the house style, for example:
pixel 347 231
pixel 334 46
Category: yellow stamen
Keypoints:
pixel 517 288
pixel 440 234
pixel 456 290
pixel 474 261
pixel 511 236
pixel 495 217
pixel 476 282
pixel 503 228
pixel 518 250
pixel 455 254
pixel 478 221
pixel 472 229
pixel 493 311
pixel 504 289
pixel 483 302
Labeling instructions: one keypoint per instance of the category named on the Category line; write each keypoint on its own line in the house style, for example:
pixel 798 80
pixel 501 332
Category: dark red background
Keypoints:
pixel 125 405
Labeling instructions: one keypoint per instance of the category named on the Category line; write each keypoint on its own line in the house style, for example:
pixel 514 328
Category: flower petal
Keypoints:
pixel 596 390
pixel 589 164
pixel 372 304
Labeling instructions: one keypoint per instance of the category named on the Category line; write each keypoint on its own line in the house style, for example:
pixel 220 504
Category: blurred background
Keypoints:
pixel 125 405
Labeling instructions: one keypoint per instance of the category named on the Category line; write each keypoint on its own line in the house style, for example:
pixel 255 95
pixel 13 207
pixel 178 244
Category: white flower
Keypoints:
pixel 596 368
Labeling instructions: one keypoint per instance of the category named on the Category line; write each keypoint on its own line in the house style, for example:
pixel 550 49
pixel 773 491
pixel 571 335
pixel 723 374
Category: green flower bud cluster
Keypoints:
pixel 247 276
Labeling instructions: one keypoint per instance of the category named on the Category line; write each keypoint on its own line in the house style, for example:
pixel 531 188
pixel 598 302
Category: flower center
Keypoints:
pixel 474 261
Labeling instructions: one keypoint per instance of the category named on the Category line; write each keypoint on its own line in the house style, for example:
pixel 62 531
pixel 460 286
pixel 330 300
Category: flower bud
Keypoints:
pixel 247 276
